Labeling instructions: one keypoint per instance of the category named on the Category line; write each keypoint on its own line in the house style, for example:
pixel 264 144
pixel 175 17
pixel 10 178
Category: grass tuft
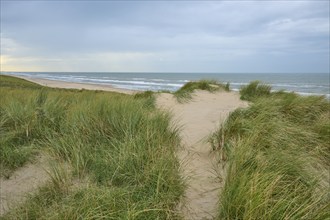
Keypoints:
pixel 254 90
pixel 148 97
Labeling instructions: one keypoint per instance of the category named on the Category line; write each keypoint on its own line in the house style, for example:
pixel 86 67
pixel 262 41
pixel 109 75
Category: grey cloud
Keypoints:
pixel 202 32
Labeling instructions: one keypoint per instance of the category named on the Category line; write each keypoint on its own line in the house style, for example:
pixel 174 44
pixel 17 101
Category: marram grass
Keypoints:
pixel 111 155
pixel 254 90
pixel 184 94
pixel 277 152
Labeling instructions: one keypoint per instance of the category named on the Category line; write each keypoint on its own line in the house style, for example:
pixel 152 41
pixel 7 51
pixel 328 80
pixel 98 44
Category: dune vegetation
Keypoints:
pixel 253 90
pixel 111 156
pixel 276 153
pixel 184 94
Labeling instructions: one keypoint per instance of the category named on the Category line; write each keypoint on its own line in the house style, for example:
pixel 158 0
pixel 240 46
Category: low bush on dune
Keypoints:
pixel 277 157
pixel 112 155
pixel 186 91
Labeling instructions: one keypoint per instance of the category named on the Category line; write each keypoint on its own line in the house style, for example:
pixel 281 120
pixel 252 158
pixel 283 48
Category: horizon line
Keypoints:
pixel 149 72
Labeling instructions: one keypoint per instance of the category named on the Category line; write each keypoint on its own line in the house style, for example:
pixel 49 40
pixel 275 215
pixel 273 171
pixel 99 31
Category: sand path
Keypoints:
pixel 198 119
pixel 24 181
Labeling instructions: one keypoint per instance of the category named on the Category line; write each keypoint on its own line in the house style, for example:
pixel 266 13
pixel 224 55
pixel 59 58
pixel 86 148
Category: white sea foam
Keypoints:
pixel 316 84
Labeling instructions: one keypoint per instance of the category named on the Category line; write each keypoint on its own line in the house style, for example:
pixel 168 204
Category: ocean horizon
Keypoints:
pixel 301 83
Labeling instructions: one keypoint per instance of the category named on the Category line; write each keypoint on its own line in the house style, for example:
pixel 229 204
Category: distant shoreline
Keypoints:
pixel 72 85
pixel 302 84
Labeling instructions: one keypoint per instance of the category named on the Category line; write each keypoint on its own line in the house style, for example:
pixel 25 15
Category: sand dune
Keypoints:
pixel 197 119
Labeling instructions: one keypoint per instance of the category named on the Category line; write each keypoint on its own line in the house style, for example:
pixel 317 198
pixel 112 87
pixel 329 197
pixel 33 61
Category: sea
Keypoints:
pixel 301 83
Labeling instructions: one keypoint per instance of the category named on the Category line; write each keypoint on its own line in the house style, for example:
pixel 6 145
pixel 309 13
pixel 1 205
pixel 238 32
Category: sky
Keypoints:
pixel 166 36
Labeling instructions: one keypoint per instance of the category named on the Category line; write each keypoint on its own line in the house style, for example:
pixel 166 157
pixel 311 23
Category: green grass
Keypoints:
pixel 112 155
pixel 254 90
pixel 185 92
pixel 277 152
pixel 148 96
pixel 13 82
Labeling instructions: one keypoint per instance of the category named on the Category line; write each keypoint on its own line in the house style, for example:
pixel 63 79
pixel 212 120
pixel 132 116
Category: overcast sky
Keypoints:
pixel 165 36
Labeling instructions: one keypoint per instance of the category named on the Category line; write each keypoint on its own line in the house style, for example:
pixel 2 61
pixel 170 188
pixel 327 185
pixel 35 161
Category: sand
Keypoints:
pixel 22 182
pixel 199 165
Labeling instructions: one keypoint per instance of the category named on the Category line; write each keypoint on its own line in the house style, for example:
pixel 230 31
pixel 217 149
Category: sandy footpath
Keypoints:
pixel 22 182
pixel 199 165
